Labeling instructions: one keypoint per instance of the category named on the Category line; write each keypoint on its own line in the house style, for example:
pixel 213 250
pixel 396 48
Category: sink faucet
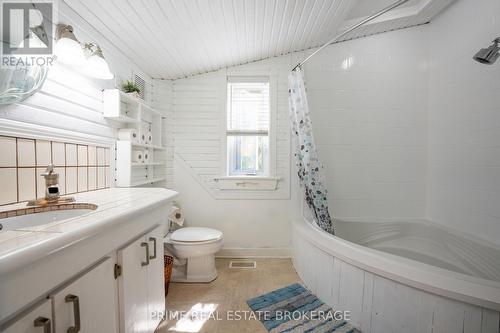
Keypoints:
pixel 52 194
pixel 51 184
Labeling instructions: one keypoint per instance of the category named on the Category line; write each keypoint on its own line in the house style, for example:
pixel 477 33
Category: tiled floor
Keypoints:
pixel 226 297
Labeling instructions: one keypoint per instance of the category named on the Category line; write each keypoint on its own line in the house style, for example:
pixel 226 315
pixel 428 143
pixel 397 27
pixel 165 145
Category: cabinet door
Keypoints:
pixel 156 285
pixel 88 305
pixel 133 287
pixel 38 320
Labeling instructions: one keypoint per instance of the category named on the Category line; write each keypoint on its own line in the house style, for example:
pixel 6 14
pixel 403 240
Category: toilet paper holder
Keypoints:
pixel 175 218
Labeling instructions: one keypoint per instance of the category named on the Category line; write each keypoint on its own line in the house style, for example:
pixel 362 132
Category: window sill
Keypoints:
pixel 247 183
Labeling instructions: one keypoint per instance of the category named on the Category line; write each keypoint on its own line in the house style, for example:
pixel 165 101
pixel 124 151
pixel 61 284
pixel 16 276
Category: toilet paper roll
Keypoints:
pixel 176 216
pixel 137 156
pixel 146 157
pixel 129 134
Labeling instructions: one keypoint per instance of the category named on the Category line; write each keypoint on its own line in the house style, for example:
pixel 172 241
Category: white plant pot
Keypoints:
pixel 134 94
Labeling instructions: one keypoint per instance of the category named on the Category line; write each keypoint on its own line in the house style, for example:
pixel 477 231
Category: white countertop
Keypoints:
pixel 18 248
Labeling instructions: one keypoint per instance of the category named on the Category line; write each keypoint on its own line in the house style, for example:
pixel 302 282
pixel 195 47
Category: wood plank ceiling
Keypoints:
pixel 177 38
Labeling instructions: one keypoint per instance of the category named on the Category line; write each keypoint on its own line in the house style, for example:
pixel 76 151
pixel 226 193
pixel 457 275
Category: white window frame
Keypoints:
pixel 251 182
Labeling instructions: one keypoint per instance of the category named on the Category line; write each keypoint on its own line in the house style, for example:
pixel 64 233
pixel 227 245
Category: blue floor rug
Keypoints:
pixel 293 309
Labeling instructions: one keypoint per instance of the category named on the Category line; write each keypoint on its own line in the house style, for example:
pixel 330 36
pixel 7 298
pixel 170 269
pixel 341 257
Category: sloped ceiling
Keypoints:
pixel 177 38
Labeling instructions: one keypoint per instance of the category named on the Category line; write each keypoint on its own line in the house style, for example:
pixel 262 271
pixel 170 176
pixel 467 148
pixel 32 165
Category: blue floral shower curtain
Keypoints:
pixel 310 169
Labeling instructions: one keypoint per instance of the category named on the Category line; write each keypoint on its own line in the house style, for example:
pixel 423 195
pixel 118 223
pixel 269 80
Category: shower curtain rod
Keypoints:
pixel 354 27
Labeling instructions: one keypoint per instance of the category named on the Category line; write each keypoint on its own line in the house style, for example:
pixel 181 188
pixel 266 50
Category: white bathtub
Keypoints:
pixel 400 277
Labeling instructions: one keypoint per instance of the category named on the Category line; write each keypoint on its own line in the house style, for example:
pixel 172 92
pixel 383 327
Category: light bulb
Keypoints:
pixel 68 50
pixel 97 66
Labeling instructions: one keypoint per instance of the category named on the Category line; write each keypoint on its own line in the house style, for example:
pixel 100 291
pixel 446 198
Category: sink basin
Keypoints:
pixel 37 219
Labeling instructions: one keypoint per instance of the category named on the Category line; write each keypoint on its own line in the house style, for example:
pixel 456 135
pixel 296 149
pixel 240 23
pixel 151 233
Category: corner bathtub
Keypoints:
pixel 402 276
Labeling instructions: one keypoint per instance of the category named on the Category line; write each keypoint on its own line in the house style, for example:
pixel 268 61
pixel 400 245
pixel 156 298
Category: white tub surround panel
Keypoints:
pixel 368 101
pixel 53 253
pixel 464 121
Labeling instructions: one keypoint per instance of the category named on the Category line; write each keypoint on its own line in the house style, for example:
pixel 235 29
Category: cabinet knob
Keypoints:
pixel 45 323
pixel 146 245
pixel 152 239
pixel 76 312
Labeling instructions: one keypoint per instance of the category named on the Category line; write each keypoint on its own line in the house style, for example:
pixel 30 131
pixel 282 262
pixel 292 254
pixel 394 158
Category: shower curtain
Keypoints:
pixel 310 169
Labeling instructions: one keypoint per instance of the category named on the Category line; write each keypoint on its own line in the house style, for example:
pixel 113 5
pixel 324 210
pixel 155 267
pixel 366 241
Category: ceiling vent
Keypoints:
pixel 139 81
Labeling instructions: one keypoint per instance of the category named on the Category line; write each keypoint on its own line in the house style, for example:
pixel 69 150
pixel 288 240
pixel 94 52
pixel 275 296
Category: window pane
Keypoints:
pixel 248 155
pixel 248 106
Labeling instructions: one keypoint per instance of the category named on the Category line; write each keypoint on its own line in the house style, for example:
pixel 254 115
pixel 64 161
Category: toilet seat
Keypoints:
pixel 196 235
pixel 197 246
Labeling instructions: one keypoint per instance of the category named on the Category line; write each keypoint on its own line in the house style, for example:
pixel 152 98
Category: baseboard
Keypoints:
pixel 237 252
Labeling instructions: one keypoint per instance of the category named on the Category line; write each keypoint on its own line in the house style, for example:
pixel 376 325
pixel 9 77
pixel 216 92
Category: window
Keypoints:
pixel 247 129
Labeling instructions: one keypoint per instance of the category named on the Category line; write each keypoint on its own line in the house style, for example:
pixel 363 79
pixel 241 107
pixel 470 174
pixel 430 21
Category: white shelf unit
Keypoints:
pixel 130 174
pixel 144 145
pixel 121 107
pixel 132 113
pixel 139 164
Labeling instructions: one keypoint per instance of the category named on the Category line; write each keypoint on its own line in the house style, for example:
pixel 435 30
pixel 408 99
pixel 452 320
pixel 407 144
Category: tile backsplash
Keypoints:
pixel 80 167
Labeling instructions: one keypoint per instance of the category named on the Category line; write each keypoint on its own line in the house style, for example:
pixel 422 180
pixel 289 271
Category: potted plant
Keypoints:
pixel 130 87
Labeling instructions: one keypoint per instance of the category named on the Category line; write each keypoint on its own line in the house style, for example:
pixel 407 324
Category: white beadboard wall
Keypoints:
pixel 254 223
pixel 464 121
pixel 199 111
pixel 368 100
pixel 71 101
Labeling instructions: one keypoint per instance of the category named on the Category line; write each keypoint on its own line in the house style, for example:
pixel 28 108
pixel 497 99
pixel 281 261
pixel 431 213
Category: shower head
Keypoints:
pixel 489 55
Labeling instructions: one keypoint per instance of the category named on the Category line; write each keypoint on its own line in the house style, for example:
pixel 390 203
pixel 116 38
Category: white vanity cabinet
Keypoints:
pixel 88 304
pixel 37 320
pixel 140 285
pixel 99 273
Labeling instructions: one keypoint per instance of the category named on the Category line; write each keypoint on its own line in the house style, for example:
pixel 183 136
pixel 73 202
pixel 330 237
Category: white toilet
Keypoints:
pixel 198 247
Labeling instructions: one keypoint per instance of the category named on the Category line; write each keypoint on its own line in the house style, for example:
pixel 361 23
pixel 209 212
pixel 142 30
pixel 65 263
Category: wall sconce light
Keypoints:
pixel 68 49
pixel 97 66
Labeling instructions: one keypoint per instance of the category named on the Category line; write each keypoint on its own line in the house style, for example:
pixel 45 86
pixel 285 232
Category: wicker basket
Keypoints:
pixel 167 271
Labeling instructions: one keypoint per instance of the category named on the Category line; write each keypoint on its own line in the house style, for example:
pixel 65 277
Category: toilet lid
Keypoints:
pixel 195 234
